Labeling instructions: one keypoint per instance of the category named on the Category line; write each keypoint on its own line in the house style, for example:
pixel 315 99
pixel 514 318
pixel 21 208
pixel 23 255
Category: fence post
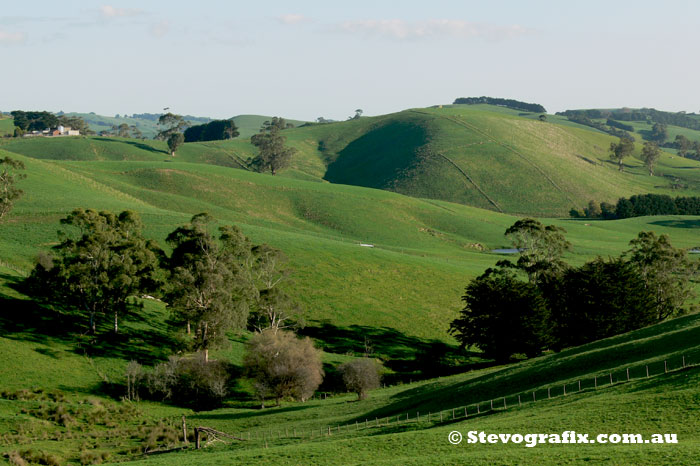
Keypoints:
pixel 196 439
pixel 595 382
pixel 465 412
pixel 564 389
pixel 611 381
pixel 549 392
pixel 417 416
pixel 533 396
pixel 647 371
pixel 184 430
pixel 683 362
pixel 453 413
pixel 519 403
pixel 491 405
pixel 477 409
pixel 665 367
pixel 579 385
pixel 329 431
pixel 366 423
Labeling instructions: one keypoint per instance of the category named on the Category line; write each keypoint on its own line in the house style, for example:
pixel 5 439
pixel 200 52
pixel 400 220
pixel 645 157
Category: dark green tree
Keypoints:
pixel 209 288
pixel 34 121
pixel 667 272
pixel 121 130
pixel 272 155
pixel 650 155
pixel 503 316
pixel 172 125
pixel 600 299
pixel 659 133
pixel 213 131
pixel 541 247
pixel 100 266
pixel 9 176
pixel 175 140
pixel 621 150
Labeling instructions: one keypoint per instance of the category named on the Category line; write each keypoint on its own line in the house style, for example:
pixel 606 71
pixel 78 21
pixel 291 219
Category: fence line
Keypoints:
pixel 602 379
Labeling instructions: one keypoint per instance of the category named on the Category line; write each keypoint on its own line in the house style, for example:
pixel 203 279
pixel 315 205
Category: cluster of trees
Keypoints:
pixel 212 284
pixel 640 205
pixel 273 154
pixel 644 114
pixel 216 130
pixel 686 147
pixel 34 121
pixel 39 121
pixel 509 103
pixel 625 148
pixel 124 130
pixel 558 305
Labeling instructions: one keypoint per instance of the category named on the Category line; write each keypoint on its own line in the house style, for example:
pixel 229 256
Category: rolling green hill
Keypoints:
pixel 479 155
pixel 401 294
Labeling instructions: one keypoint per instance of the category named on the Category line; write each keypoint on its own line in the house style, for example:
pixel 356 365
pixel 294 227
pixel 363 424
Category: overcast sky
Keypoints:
pixel 305 59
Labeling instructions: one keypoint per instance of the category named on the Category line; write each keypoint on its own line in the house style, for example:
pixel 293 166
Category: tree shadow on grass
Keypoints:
pixel 409 358
pixel 694 223
pixel 139 145
pixel 29 320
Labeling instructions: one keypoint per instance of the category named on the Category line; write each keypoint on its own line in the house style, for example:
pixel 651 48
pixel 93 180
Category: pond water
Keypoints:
pixel 506 251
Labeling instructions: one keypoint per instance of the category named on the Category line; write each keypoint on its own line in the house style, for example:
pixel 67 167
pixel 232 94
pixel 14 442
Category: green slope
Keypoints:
pixel 483 156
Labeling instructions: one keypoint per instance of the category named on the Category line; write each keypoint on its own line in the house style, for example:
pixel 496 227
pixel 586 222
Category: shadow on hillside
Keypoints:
pixel 671 339
pixel 139 145
pixel 28 320
pixel 376 158
pixel 409 358
pixel 677 223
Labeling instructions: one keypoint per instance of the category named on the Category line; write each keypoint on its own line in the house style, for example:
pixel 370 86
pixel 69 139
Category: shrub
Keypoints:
pixel 282 366
pixel 191 382
pixel 360 376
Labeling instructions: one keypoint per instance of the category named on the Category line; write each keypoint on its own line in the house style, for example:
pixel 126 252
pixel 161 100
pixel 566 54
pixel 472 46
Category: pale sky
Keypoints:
pixel 305 59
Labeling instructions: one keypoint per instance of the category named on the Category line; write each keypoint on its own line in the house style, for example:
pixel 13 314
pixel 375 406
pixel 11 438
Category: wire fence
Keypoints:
pixel 598 381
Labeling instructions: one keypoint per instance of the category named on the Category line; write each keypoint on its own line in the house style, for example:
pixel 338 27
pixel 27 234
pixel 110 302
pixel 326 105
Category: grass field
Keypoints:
pixel 483 156
pixel 401 294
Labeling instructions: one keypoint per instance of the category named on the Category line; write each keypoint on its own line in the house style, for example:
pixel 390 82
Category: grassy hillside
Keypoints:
pixel 433 245
pixel 478 155
pixel 401 294
pixel 40 355
pixel 7 126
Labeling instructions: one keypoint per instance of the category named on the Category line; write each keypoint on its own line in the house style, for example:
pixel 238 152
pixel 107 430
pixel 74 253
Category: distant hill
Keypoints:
pixel 480 155
pixel 147 123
